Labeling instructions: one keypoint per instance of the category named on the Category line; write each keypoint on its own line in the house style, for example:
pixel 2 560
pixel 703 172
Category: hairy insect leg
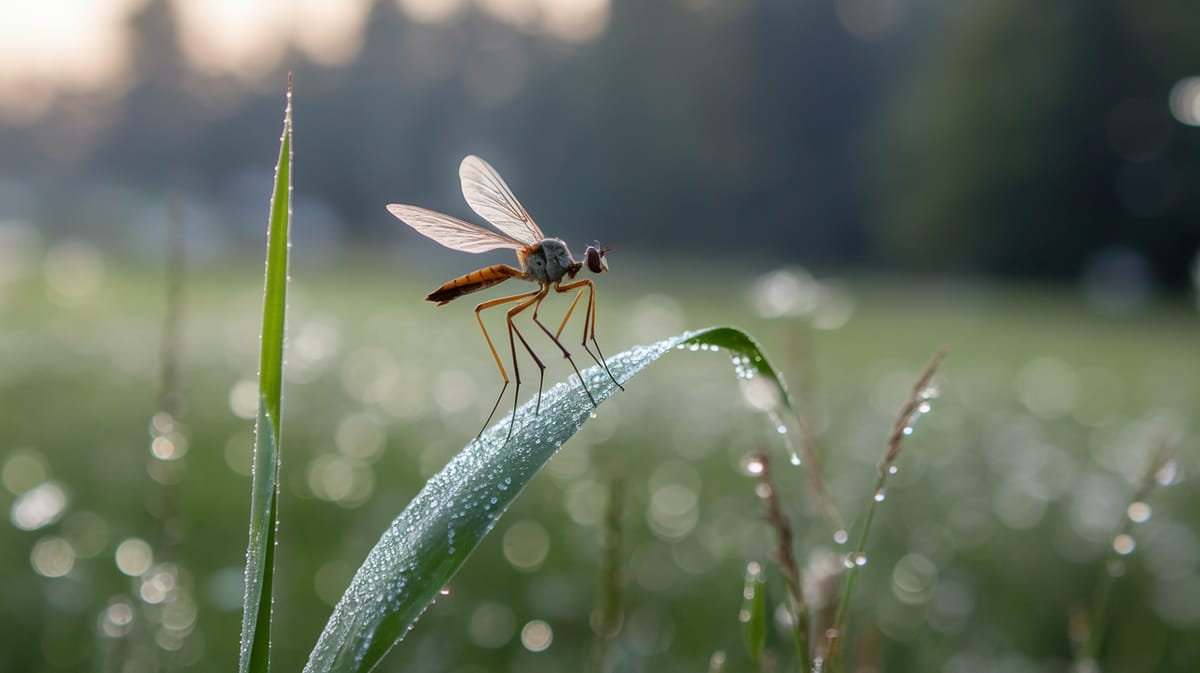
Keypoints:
pixel 503 374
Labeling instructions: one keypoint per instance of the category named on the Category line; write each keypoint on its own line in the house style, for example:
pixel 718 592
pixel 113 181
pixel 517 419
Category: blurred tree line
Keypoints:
pixel 1009 137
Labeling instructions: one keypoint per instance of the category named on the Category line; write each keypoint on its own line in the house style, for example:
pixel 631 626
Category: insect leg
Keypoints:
pixel 592 321
pixel 503 374
pixel 565 352
pixel 536 297
pixel 570 308
pixel 589 321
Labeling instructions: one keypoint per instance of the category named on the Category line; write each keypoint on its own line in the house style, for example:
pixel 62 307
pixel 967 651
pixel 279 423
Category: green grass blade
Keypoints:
pixel 753 615
pixel 440 528
pixel 264 496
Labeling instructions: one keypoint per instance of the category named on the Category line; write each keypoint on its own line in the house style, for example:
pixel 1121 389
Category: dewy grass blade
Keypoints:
pixel 264 496
pixel 753 614
pixel 440 528
pixel 918 403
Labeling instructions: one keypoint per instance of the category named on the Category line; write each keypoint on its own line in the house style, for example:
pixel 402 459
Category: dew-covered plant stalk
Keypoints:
pixel 917 404
pixel 785 558
pixel 1160 470
pixel 264 494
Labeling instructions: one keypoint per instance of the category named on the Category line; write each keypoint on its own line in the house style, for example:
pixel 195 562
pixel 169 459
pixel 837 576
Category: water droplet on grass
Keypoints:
pixel 1167 473
pixel 1123 544
pixel 753 466
pixel 854 560
pixel 1138 512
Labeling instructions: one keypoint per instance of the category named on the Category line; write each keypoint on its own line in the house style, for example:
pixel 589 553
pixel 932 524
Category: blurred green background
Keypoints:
pixel 855 182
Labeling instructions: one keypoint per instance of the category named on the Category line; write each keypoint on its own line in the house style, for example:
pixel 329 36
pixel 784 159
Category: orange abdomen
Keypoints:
pixel 473 282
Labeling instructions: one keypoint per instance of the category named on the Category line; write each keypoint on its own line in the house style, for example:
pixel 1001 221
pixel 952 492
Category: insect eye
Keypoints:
pixel 595 259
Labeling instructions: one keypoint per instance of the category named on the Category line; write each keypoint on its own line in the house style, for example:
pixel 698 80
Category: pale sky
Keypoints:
pixel 54 47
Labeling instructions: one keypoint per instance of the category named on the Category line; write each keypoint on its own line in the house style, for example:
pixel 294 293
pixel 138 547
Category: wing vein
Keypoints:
pixel 490 197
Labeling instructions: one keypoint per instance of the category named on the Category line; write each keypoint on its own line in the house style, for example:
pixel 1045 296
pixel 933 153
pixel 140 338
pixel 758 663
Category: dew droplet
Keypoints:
pixel 908 430
pixel 892 469
pixel 781 429
pixel 753 466
pixel 1123 544
pixel 1167 473
pixel 445 590
pixel 880 496
pixel 795 458
pixel 855 560
pixel 840 536
pixel 1138 512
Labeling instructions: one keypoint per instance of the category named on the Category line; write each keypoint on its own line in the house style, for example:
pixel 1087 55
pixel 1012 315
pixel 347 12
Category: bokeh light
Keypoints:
pixel 134 556
pixel 492 625
pixel 526 544
pixel 117 619
pixel 1184 101
pixel 52 557
pixel 39 507
pixel 23 469
pixel 48 49
pixel 536 636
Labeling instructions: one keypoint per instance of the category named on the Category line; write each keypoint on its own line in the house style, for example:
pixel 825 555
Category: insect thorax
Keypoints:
pixel 549 260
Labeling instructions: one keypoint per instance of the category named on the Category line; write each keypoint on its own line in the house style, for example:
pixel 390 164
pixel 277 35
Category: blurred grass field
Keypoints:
pixel 994 530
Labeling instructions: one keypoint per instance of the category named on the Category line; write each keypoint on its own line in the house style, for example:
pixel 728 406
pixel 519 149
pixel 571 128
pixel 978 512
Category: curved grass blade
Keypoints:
pixel 264 495
pixel 440 528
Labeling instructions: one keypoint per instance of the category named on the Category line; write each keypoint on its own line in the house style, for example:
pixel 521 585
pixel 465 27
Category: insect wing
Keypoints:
pixel 451 231
pixel 488 195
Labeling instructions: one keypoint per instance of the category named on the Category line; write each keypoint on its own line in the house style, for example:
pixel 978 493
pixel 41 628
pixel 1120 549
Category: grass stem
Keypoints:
pixel 916 405
pixel 1121 545
pixel 785 558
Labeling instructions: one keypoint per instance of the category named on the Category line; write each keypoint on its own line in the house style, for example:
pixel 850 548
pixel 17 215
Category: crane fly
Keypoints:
pixel 545 261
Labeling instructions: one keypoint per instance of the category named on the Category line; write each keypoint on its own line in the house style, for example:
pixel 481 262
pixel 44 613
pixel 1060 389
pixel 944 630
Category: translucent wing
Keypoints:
pixel 451 231
pixel 487 195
